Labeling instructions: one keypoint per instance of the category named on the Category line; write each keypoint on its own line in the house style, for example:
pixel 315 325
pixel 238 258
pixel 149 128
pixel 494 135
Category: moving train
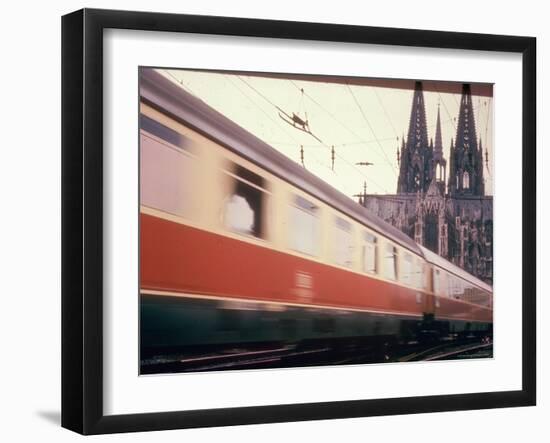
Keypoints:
pixel 239 244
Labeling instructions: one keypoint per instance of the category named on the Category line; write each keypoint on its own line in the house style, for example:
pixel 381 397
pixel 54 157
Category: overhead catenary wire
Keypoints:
pixel 342 145
pixel 320 141
pixel 371 128
pixel 487 120
pixel 198 90
pixel 451 119
pixel 477 110
pixel 336 119
pixel 296 142
pixel 385 112
pixel 487 139
pixel 283 130
pixel 313 158
pixel 353 143
pixel 180 82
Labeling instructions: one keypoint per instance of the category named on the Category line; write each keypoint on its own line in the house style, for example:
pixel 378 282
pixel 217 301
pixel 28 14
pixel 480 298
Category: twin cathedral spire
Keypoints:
pixel 422 161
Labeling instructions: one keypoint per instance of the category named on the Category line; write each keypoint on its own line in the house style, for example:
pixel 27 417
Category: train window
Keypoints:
pixel 456 287
pixel 167 172
pixel 152 127
pixel 418 274
pixel 369 253
pixel 441 285
pixel 304 226
pixel 245 207
pixel 407 269
pixel 469 294
pixel 451 284
pixel 437 281
pixel 343 243
pixel 390 262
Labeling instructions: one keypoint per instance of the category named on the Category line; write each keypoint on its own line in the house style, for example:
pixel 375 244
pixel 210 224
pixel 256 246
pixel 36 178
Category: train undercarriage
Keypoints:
pixel 193 327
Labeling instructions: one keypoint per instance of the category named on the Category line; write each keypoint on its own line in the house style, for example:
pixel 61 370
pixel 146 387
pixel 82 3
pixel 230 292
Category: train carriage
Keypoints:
pixel 238 244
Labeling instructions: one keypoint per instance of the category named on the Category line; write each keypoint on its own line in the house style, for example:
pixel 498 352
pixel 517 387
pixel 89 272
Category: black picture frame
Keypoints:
pixel 82 219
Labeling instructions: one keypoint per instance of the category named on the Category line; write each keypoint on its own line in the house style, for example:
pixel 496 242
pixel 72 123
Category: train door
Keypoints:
pixel 429 299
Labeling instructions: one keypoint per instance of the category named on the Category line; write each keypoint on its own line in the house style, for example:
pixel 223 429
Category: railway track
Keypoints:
pixel 234 359
pixel 477 351
pixel 460 349
pixel 315 354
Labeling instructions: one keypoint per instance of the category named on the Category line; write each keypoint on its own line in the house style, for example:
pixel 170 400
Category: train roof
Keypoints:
pixel 163 93
pixel 440 262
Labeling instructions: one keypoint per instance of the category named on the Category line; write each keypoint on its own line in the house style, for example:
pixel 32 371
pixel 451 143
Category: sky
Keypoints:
pixel 363 123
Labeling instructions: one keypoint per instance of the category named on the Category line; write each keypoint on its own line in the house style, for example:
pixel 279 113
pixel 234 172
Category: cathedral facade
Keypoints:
pixel 442 205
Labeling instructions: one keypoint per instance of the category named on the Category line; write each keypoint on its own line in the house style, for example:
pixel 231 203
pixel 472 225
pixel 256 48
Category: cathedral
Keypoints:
pixel 442 204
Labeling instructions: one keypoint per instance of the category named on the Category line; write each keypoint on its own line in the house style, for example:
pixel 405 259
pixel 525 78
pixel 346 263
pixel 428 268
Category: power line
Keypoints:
pixel 339 121
pixel 446 110
pixel 342 145
pixel 228 79
pixel 276 123
pixel 322 143
pixel 487 121
pixel 385 112
pixel 487 139
pixel 257 92
pixel 180 82
pixel 265 113
pixel 477 118
pixel 371 128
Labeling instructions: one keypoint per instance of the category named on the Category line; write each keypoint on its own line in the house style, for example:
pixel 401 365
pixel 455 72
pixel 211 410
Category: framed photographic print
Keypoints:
pixel 273 221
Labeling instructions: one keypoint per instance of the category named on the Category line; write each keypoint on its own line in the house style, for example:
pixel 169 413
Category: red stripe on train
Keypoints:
pixel 180 258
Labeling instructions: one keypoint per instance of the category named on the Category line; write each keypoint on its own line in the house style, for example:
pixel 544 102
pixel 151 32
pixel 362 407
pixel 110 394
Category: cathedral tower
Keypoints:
pixel 439 164
pixel 466 158
pixel 443 209
pixel 415 172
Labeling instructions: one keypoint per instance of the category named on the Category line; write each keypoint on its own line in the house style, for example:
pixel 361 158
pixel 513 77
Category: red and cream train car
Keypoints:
pixel 240 244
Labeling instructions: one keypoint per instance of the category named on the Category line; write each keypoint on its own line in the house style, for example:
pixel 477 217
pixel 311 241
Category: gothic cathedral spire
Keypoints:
pixel 439 164
pixel 466 174
pixel 415 168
